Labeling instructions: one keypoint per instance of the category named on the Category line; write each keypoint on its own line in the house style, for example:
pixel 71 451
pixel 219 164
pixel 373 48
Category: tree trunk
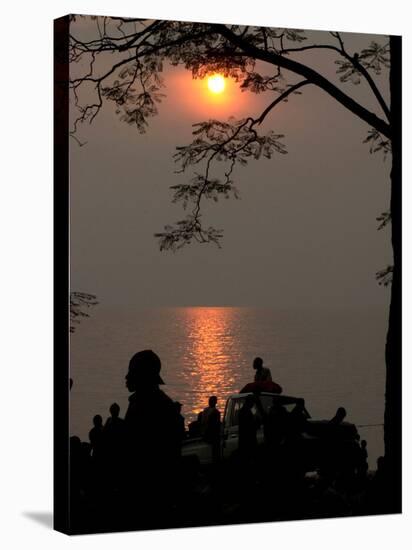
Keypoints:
pixel 393 391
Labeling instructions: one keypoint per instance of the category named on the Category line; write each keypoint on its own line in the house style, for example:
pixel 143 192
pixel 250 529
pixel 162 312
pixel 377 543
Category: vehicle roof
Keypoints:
pixel 281 398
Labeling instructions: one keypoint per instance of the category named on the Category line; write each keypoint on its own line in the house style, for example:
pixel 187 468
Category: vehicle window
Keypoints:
pixel 267 402
pixel 237 405
pixel 256 413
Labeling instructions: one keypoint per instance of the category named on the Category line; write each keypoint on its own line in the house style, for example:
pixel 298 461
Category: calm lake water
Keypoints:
pixel 331 358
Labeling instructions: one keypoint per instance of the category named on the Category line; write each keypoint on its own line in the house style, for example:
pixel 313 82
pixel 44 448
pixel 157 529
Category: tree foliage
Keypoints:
pixel 79 302
pixel 123 61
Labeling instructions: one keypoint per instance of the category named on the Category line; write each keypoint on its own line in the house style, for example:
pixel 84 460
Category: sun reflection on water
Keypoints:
pixel 213 355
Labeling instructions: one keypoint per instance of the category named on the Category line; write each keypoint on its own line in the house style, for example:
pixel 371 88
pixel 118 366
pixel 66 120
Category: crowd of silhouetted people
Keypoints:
pixel 131 473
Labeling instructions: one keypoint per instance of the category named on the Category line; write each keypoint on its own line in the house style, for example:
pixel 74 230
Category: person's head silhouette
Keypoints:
pixel 257 363
pixel 97 421
pixel 212 401
pixel 114 410
pixel 75 443
pixel 340 414
pixel 144 369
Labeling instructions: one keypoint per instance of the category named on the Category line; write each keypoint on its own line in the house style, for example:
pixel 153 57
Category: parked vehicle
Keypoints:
pixel 320 442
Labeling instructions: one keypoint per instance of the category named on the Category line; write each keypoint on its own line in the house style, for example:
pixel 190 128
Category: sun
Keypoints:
pixel 216 83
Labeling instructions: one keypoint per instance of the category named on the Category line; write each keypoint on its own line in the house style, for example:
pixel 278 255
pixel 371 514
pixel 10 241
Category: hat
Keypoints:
pixel 146 365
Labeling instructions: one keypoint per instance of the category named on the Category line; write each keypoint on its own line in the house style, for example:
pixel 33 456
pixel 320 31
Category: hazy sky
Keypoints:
pixel 304 232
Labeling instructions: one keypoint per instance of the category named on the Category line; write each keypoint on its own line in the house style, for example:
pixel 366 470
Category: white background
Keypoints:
pixel 26 273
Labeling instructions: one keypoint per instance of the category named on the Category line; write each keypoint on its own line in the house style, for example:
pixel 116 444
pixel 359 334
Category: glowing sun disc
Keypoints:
pixel 216 83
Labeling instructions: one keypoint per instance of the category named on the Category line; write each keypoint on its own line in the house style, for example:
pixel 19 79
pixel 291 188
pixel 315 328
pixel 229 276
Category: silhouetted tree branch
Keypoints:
pixel 79 301
pixel 134 84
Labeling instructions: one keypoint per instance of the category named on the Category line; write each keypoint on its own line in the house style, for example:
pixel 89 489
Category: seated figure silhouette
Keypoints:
pixel 262 373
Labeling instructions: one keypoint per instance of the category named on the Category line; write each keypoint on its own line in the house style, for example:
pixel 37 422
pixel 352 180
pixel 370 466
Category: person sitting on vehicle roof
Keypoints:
pixel 262 373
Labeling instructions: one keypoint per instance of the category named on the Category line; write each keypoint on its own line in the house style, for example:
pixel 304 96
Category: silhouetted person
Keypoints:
pixel 96 436
pixel 364 450
pixel 276 426
pixel 298 417
pixel 380 473
pixel 262 373
pixel 114 413
pixel 379 488
pixel 210 426
pixel 339 417
pixel 114 434
pixel 114 428
pixel 195 426
pixel 248 425
pixel 151 421
pixel 363 459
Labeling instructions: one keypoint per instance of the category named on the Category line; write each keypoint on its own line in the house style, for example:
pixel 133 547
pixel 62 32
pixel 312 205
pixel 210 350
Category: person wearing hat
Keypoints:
pixel 152 416
pixel 150 456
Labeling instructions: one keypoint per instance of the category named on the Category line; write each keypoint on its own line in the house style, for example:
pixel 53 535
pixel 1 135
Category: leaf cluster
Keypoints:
pixel 385 276
pixel 79 301
pixel 233 142
pixel 377 143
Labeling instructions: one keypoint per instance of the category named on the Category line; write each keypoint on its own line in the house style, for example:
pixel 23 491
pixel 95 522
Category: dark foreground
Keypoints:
pixel 231 493
pixel 132 475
